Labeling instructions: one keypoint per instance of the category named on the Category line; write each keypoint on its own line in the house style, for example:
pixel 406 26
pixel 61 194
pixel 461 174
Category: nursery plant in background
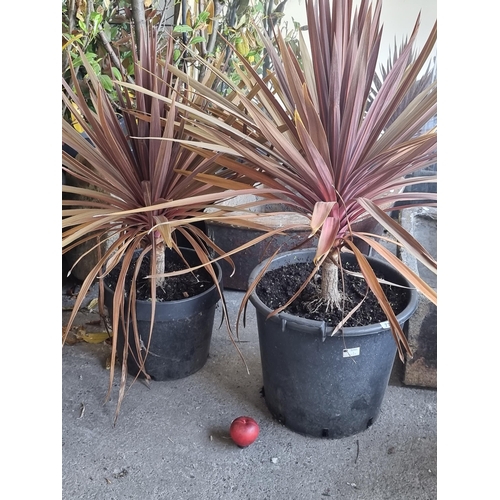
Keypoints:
pixel 101 31
pixel 338 149
pixel 205 26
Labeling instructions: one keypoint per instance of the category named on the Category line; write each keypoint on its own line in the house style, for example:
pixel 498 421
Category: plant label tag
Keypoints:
pixel 349 353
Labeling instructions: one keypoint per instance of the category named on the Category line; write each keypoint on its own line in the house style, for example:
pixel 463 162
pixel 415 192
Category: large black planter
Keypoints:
pixel 182 331
pixel 319 385
pixel 230 236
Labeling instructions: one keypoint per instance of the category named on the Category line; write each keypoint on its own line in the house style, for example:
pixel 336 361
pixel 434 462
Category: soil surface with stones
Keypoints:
pixel 175 287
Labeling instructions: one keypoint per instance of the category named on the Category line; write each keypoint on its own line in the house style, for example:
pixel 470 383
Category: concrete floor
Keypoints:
pixel 171 440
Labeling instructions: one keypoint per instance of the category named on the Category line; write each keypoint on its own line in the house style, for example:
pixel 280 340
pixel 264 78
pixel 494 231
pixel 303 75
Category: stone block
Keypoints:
pixel 421 328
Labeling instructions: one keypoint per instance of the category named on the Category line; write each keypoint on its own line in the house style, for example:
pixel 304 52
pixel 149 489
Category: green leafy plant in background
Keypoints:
pixel 206 27
pixel 101 31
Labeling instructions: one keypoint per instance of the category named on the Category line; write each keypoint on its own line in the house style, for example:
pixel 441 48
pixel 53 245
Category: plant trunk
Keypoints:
pixel 160 263
pixel 139 16
pixel 330 283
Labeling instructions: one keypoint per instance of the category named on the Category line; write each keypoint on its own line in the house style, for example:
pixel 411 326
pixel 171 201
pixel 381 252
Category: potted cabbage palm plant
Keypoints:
pixel 323 136
pixel 145 198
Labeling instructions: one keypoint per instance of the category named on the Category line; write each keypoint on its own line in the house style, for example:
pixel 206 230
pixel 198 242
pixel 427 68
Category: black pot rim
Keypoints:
pixel 315 326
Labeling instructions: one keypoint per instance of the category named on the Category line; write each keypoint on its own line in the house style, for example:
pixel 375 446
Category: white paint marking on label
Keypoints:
pixel 349 353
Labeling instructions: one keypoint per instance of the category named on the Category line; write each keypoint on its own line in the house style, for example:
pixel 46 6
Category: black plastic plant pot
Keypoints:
pixel 321 385
pixel 181 336
pixel 229 236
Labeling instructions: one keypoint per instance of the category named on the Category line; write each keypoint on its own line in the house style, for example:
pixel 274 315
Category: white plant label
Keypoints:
pixel 349 353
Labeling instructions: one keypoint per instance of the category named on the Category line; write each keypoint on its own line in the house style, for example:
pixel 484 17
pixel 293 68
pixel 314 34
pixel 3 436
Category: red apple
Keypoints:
pixel 244 431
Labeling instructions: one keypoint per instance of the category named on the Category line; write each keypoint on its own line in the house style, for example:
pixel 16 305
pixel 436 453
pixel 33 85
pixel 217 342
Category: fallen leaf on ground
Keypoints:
pixel 91 337
pixel 93 304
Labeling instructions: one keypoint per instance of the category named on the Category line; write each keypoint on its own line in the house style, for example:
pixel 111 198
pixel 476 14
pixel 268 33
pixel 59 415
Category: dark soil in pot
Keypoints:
pixel 278 286
pixel 175 287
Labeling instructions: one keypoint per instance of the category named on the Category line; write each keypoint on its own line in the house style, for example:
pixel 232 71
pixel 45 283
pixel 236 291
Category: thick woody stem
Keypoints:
pixel 330 283
pixel 139 16
pixel 160 263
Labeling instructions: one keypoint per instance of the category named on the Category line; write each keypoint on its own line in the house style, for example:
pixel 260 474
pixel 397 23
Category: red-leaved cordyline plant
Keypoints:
pixel 143 190
pixel 315 132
